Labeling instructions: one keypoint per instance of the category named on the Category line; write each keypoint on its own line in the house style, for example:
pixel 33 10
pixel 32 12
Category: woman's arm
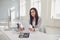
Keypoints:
pixel 39 23
pixel 31 28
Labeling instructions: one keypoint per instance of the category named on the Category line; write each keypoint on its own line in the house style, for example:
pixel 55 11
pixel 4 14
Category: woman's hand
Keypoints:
pixel 21 29
pixel 31 29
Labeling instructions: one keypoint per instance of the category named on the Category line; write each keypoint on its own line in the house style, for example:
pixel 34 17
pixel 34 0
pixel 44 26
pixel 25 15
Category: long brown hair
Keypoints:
pixel 36 16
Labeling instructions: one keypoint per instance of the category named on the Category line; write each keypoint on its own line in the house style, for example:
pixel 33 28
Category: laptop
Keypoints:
pixel 24 35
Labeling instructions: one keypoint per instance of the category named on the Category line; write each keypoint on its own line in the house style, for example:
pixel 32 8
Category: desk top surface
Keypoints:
pixel 33 36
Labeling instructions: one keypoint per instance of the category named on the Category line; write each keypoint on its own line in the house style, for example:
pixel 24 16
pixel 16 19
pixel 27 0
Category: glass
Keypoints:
pixel 55 9
pixel 22 7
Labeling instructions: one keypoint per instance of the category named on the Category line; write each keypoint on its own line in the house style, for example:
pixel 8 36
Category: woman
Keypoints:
pixel 33 19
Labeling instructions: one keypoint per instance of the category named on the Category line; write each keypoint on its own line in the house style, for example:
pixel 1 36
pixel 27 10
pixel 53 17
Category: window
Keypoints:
pixel 55 9
pixel 12 13
pixel 22 7
pixel 37 5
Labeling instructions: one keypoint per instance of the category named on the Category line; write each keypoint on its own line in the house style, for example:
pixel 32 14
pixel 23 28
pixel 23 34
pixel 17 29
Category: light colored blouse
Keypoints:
pixel 38 25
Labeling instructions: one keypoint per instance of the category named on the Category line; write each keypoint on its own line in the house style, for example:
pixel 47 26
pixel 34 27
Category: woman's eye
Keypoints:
pixel 32 12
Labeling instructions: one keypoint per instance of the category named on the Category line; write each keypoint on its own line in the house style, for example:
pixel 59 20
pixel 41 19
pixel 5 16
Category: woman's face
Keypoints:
pixel 33 13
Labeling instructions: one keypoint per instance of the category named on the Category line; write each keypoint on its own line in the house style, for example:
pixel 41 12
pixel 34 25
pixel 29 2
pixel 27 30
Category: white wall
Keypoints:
pixel 52 25
pixel 4 6
pixel 45 11
pixel 46 14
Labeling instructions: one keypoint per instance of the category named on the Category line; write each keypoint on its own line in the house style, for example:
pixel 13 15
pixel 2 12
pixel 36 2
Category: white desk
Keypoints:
pixel 33 36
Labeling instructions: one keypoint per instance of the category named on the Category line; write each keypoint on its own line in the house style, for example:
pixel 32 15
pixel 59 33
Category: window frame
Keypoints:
pixel 53 13
pixel 22 6
pixel 39 5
